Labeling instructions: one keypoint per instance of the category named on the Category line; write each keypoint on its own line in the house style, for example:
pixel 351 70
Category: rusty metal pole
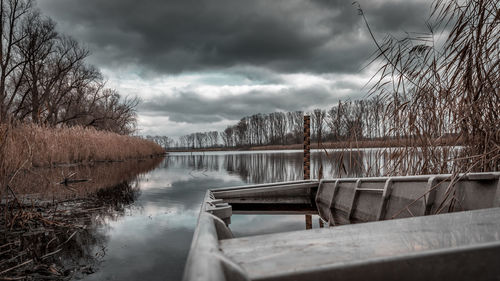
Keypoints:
pixel 307 159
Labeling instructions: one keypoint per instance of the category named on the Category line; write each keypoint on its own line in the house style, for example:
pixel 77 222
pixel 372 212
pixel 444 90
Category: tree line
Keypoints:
pixel 361 119
pixel 44 78
pixel 163 141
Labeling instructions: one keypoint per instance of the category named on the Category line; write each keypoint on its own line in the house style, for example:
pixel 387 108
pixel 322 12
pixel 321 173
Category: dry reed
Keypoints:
pixel 442 90
pixel 46 146
pixel 27 147
pixel 435 90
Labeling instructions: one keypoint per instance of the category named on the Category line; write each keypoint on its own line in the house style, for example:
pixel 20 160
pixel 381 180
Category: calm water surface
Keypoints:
pixel 151 239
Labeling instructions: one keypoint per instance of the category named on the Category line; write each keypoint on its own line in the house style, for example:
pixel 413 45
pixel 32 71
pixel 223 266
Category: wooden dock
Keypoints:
pixel 462 242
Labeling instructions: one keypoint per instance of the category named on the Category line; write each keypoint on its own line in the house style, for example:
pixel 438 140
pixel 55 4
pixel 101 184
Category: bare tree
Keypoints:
pixel 318 122
pixel 44 78
pixel 12 13
pixel 295 123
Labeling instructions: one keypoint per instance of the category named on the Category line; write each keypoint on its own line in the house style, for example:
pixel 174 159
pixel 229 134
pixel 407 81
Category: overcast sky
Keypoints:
pixel 201 65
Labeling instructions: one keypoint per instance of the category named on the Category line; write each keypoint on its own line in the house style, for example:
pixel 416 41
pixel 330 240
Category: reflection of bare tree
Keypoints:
pixel 264 167
pixel 338 164
pixel 58 239
pixel 261 167
pixel 62 240
pixel 275 167
pixel 200 162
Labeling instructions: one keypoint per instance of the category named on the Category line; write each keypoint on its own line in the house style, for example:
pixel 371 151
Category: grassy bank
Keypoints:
pixel 29 145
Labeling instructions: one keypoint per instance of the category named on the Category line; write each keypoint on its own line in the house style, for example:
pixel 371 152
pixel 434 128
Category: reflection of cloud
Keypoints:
pixel 180 168
pixel 152 240
pixel 248 225
pixel 188 193
pixel 144 249
pixel 154 211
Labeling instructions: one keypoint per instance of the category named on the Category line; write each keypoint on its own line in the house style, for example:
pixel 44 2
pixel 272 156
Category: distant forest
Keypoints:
pixel 364 119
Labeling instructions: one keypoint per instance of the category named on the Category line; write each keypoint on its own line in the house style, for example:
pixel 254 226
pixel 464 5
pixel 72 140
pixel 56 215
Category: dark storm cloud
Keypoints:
pixel 198 63
pixel 190 35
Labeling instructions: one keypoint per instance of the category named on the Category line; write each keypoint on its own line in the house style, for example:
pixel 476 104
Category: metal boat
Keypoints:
pixel 429 227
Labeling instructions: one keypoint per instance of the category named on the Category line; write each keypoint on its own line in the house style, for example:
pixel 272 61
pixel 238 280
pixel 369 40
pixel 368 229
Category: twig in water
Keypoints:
pixel 16 266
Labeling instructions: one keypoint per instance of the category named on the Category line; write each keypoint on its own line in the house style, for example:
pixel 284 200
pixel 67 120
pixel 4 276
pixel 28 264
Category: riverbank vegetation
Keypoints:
pixel 336 145
pixel 45 80
pixel 434 88
pixel 54 107
pixel 41 146
pixel 344 121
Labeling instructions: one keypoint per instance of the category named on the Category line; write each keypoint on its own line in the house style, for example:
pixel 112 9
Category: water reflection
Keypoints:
pixel 249 225
pixel 45 183
pixel 56 228
pixel 152 240
pixel 276 166
pixel 83 252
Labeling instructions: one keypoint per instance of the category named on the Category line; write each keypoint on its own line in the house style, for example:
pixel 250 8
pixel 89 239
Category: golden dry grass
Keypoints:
pixel 25 147
pixel 38 146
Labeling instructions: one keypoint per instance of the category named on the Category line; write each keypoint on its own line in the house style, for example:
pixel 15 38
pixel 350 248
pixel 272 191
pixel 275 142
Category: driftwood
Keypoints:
pixel 67 181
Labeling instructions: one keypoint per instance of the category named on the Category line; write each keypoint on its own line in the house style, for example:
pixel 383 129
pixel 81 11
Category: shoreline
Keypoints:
pixel 326 145
pixel 93 162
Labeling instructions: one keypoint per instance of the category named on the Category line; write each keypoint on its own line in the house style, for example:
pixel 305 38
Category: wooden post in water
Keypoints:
pixel 309 223
pixel 307 159
pixel 307 147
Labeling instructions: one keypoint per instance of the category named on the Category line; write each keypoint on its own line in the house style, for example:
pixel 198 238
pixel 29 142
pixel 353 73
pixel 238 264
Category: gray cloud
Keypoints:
pixel 196 35
pixel 191 107
pixel 230 43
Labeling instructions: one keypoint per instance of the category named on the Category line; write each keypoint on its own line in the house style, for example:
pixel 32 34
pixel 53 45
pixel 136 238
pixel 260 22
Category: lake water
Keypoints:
pixel 150 238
